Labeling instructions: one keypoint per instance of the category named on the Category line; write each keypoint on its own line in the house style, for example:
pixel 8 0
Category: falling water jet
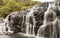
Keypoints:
pixel 49 10
pixel 27 27
pixel 45 23
pixel 34 23
pixel 27 21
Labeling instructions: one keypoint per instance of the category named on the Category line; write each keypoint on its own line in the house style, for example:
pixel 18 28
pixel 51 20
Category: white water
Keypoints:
pixel 29 29
pixel 55 22
pixel 27 21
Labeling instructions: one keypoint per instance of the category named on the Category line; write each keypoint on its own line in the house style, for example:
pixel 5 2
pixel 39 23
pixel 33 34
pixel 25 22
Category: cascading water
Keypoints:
pixel 51 23
pixel 39 22
pixel 30 28
pixel 27 21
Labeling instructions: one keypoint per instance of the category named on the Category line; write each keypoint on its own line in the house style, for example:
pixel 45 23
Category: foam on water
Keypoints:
pixel 52 21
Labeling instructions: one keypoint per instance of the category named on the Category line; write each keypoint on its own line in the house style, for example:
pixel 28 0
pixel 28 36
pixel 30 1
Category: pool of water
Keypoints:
pixel 18 36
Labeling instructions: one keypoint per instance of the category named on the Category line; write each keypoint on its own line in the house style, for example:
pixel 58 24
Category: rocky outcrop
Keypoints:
pixel 51 26
pixel 16 21
pixel 40 20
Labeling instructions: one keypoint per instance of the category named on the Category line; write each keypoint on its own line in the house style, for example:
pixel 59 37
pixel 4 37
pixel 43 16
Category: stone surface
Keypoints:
pixel 47 20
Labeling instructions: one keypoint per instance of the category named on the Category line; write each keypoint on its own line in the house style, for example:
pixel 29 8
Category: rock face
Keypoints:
pixel 51 26
pixel 16 21
pixel 40 20
pixel 39 17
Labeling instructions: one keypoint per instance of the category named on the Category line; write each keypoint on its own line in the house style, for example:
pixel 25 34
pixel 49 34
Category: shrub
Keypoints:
pixel 9 6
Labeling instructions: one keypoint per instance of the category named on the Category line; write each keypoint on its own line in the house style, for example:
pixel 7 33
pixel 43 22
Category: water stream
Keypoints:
pixel 40 22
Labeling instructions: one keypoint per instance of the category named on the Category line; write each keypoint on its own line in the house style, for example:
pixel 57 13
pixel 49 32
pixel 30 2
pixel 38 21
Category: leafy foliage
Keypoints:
pixel 8 6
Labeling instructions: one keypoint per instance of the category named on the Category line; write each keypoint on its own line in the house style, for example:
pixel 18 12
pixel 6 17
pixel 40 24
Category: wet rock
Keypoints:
pixel 50 28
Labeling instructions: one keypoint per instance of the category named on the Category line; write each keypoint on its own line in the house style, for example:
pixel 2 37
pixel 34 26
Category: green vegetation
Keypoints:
pixel 8 6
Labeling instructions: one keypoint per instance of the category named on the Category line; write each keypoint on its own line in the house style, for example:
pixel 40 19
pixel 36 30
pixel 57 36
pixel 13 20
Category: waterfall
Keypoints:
pixel 29 26
pixel 49 27
pixel 51 20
